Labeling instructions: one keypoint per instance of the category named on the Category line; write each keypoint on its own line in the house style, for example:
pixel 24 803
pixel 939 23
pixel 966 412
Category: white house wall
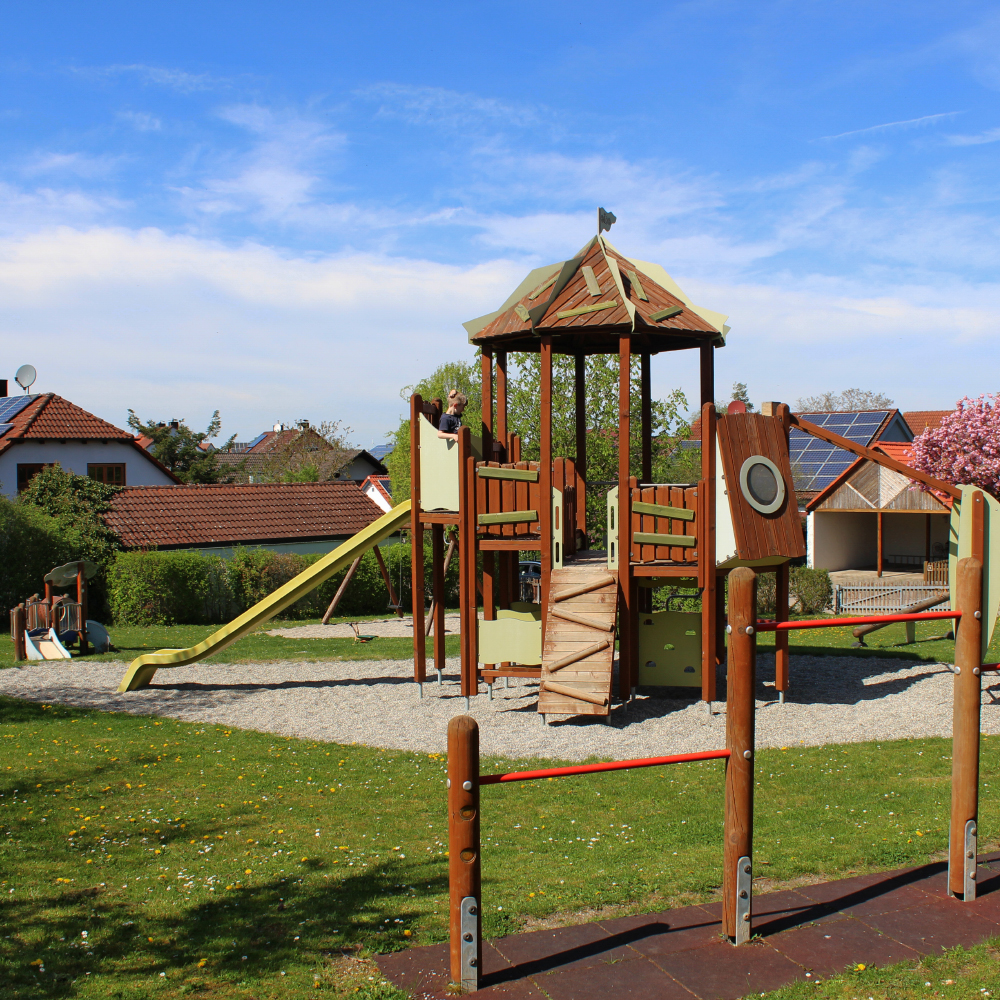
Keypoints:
pixel 75 456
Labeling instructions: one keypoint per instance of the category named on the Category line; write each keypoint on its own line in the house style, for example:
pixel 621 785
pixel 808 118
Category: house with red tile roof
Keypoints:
pixel 215 518
pixel 43 429
pixel 871 517
pixel 920 420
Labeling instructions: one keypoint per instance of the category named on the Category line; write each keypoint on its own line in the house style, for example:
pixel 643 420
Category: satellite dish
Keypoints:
pixel 25 377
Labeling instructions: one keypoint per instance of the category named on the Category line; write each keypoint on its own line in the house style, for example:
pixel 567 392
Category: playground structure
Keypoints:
pixel 741 512
pixel 47 627
pixel 464 780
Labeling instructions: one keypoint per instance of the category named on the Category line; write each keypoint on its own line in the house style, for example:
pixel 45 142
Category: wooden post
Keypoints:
pixel 647 419
pixel 625 609
pixel 781 575
pixel 580 399
pixel 965 729
pixel 348 576
pixel 489 586
pixel 545 475
pixel 383 569
pixel 81 598
pixel 417 544
pixel 437 599
pixel 501 428
pixel 467 563
pixel 879 557
pixel 17 632
pixel 707 359
pixel 927 537
pixel 978 526
pixel 740 743
pixel 487 403
pixel 711 592
pixel 464 864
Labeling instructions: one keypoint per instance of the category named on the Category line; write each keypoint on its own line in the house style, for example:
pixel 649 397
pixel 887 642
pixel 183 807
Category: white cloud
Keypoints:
pixel 80 164
pixel 448 108
pixel 141 121
pixel 990 135
pixel 907 123
pixel 161 76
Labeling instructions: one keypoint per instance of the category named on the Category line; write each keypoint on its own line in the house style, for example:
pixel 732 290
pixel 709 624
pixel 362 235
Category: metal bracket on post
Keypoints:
pixel 969 880
pixel 470 944
pixel 744 897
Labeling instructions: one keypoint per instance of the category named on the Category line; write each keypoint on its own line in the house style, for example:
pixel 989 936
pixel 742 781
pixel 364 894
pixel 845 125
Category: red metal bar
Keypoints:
pixel 614 765
pixel 990 666
pixel 926 616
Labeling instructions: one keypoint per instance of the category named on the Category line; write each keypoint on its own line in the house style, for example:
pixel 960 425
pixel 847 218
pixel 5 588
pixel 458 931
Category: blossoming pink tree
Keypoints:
pixel 965 446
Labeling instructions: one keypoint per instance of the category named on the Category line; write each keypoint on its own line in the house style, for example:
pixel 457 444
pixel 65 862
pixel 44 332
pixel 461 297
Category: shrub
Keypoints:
pixel 812 587
pixel 168 588
pixel 767 595
pixel 31 543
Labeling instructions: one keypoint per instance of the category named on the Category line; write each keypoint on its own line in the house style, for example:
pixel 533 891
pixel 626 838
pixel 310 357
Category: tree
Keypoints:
pixel 311 455
pixel 176 446
pixel 849 399
pixel 741 395
pixel 965 446
pixel 75 506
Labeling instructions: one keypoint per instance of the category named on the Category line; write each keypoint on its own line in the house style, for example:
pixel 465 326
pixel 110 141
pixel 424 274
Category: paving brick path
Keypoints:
pixel 814 930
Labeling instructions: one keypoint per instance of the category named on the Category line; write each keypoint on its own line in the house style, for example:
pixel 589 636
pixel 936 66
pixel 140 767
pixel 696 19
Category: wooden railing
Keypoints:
pixel 665 524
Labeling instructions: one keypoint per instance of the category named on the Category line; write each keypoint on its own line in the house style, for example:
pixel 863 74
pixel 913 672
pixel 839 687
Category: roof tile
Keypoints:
pixel 226 514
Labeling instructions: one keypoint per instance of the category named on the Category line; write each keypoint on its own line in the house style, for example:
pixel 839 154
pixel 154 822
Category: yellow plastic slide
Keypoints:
pixel 142 668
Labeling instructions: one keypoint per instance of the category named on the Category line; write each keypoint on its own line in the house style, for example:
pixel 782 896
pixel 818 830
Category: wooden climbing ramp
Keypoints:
pixel 579 649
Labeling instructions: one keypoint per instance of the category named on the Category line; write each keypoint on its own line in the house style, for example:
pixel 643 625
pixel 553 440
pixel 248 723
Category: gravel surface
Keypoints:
pixel 833 700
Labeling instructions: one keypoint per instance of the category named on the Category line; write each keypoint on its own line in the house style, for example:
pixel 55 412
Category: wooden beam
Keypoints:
pixel 666 313
pixel 568 616
pixel 710 614
pixel 545 468
pixel 874 456
pixel 661 538
pixel 487 402
pixel 383 569
pixel 501 428
pixel 660 510
pixel 417 543
pixel 509 517
pixel 584 588
pixel 647 418
pixel 707 358
pixel 625 652
pixel 583 310
pixel 571 692
pixel 878 560
pixel 519 475
pixel 348 576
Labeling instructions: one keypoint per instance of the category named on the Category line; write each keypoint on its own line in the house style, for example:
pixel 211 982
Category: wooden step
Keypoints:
pixel 585 625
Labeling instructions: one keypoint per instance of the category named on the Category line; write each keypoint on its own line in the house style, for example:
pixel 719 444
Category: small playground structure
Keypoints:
pixel 47 627
pixel 464 781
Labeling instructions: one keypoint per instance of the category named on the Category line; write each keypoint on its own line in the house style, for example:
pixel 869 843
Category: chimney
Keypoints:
pixel 3 387
pixel 175 425
pixel 303 425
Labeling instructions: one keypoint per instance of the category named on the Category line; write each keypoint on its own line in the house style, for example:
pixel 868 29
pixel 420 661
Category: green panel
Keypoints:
pixel 670 649
pixel 583 310
pixel 960 546
pixel 655 538
pixel 511 640
pixel 509 517
pixel 660 511
pixel 438 470
pixel 665 313
pixel 521 475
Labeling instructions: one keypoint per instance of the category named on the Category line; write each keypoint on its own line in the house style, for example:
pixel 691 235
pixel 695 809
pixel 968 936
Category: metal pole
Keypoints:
pixel 965 731
pixel 737 876
pixel 464 874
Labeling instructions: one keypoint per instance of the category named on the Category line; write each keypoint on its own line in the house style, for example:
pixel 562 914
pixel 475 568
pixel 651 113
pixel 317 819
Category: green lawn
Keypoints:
pixel 959 974
pixel 216 862
pixel 131 641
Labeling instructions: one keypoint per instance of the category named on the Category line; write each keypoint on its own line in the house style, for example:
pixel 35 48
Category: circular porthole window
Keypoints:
pixel 762 484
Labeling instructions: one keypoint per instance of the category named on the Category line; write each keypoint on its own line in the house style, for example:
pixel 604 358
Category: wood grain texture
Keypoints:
pixel 573 653
pixel 965 715
pixel 417 541
pixel 464 849
pixel 738 830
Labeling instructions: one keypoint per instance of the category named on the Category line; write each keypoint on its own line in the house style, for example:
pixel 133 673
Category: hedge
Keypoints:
pixel 170 588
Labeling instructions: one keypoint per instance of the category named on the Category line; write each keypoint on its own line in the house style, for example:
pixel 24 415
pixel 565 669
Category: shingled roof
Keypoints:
pixel 48 417
pixel 191 516
pixel 587 302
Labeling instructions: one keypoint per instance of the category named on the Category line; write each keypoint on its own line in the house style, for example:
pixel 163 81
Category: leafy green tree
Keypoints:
pixel 76 506
pixel 742 395
pixel 176 446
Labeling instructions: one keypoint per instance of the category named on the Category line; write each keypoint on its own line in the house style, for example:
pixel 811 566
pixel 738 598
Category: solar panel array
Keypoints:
pixel 10 406
pixel 815 463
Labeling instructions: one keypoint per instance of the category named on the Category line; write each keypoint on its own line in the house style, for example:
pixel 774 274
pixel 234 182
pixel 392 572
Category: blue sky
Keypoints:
pixel 287 211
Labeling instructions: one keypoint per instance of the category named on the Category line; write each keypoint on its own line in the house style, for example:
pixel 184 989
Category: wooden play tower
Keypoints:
pixel 742 510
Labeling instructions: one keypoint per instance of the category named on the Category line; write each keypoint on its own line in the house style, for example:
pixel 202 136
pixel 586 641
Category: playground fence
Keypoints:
pixel 866 600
